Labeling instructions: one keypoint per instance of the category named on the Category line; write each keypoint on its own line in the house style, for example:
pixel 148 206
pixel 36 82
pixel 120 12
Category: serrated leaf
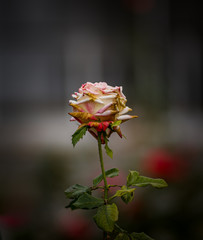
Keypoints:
pixel 87 201
pixel 113 172
pixel 71 206
pixel 122 192
pixel 106 217
pixel 140 236
pixel 122 236
pixel 132 177
pixel 128 196
pixel 142 181
pixel 109 152
pixel 76 190
pixel 79 133
pixel 116 123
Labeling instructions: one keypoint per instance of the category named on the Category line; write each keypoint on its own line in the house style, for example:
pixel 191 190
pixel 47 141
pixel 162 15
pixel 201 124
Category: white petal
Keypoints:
pixel 84 100
pixel 72 102
pixel 121 92
pixel 124 117
pixel 99 101
pixel 125 110
pixel 72 119
pixel 74 96
pixel 107 113
pixel 79 95
pixel 108 96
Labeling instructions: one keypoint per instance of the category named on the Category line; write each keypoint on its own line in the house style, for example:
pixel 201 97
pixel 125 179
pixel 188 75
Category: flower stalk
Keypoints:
pixel 102 168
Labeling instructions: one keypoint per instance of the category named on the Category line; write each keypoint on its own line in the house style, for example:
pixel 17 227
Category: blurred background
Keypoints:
pixel 153 48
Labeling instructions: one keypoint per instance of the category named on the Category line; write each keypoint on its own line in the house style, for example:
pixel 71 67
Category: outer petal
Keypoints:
pixel 126 117
pixel 83 117
pixel 120 89
pixel 125 110
pixel 87 99
pixel 74 96
pixel 76 107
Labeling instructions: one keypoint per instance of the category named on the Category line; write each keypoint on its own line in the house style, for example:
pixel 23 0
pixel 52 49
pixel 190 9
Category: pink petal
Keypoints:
pixel 120 89
pixel 107 113
pixel 103 109
pixel 72 119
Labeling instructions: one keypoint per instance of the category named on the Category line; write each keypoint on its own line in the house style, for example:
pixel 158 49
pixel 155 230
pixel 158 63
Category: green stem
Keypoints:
pixel 102 168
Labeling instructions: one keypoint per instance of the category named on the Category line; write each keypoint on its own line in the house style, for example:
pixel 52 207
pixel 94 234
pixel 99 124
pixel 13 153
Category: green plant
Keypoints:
pixel 101 125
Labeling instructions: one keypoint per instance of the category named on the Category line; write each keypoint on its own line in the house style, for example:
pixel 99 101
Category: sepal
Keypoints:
pixel 109 152
pixel 79 133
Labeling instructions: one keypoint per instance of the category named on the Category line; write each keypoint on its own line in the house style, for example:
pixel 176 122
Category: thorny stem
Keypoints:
pixel 102 168
pixel 105 234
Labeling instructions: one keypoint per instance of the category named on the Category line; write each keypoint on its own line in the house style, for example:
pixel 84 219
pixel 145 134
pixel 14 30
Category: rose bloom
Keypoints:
pixel 99 105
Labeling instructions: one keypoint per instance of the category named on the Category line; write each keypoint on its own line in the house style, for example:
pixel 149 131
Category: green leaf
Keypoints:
pixel 122 192
pixel 116 123
pixel 87 201
pixel 128 196
pixel 122 236
pixel 79 133
pixel 154 182
pixel 71 206
pixel 76 190
pixel 106 217
pixel 140 236
pixel 113 172
pixel 132 177
pixel 109 152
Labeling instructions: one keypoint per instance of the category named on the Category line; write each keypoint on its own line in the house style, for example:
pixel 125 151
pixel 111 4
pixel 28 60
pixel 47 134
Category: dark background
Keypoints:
pixel 153 48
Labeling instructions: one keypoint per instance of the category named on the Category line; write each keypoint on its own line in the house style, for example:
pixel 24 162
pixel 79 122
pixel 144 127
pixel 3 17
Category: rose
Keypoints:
pixel 100 107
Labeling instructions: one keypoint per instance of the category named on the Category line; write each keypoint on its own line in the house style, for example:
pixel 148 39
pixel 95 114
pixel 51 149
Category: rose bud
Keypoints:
pixel 100 107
